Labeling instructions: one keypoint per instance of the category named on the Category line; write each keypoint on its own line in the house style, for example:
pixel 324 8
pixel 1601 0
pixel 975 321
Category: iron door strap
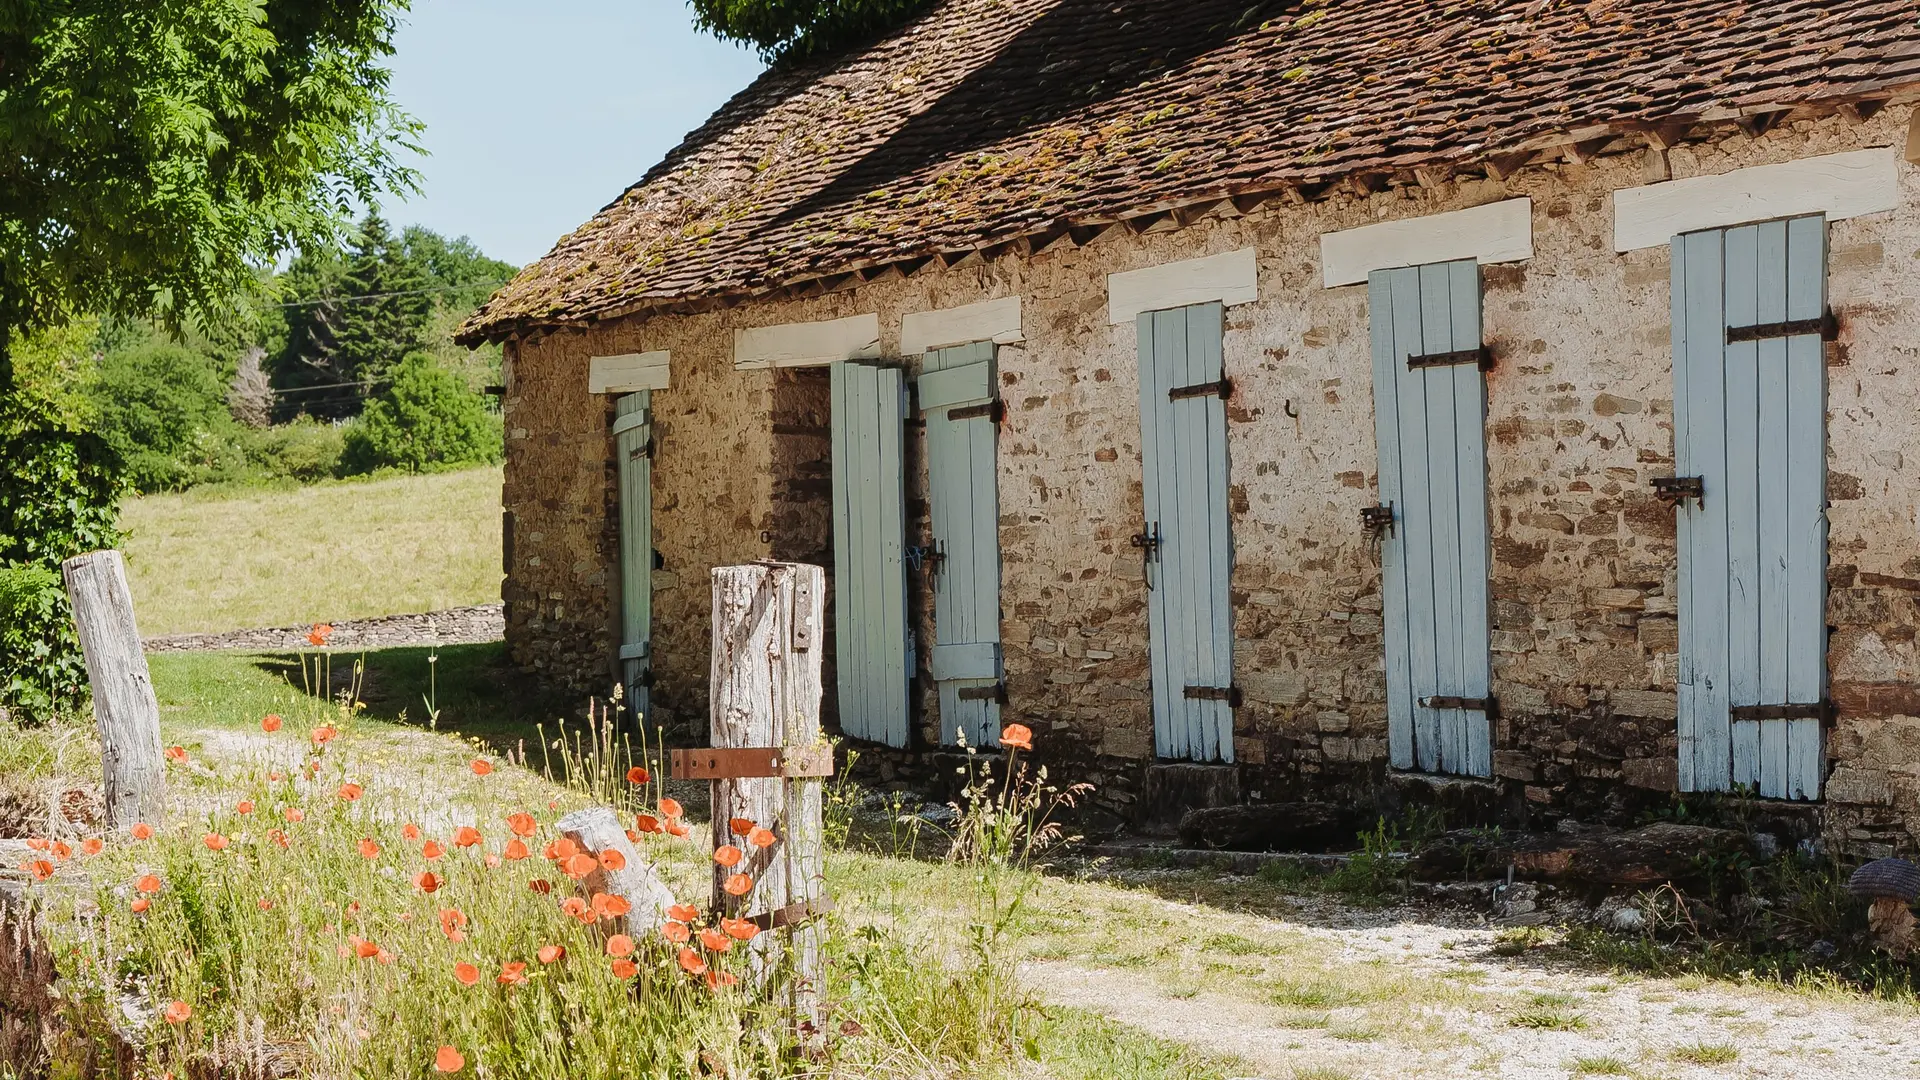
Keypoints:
pixel 1228 694
pixel 1480 356
pixel 996 693
pixel 1674 490
pixel 1488 705
pixel 1822 711
pixel 992 409
pixel 1221 388
pixel 1826 326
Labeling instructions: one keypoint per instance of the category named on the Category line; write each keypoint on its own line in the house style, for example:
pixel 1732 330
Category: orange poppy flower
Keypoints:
pixel 576 907
pixel 714 940
pixel 738 885
pixel 516 850
pixel 740 929
pixel 432 849
pixel 410 831
pixel 277 837
pixel 676 932
pixel 550 953
pixel 637 775
pixel 366 950
pixel 178 1012
pixel 691 961
pixel 562 849
pixel 466 974
pixel 619 945
pixel 466 836
pixel 541 886
pixel 490 860
pixel 215 841
pixel 683 913
pixel 1017 736
pixel 353 908
pixel 270 722
pixel 92 845
pixel 40 843
pixel 319 634
pixel 670 808
pixel 276 776
pixel 610 907
pixel 61 851
pixel 677 828
pixel 647 823
pixel 176 753
pixel 140 905
pixel 762 838
pixel 447 1059
pixel 369 849
pixel 452 923
pixel 325 734
pixel 512 974
pixel 351 792
pixel 481 766
pixel 717 979
pixel 728 856
pixel 148 883
pixel 633 836
pixel 294 815
pixel 141 831
pixel 741 826
pixel 244 806
pixel 611 859
pixel 522 824
pixel 41 869
pixel 427 881
pixel 625 969
pixel 264 904
pixel 580 866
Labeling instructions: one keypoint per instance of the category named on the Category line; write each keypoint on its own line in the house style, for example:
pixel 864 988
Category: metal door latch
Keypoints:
pixel 1148 541
pixel 1674 490
pixel 929 558
pixel 1378 520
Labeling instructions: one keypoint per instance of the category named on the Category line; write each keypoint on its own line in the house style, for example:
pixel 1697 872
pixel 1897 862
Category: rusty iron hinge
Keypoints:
pixel 994 410
pixel 1221 388
pixel 1674 490
pixel 792 914
pixel 1488 705
pixel 1378 520
pixel 1822 711
pixel 996 693
pixel 1827 326
pixel 1480 356
pixel 1228 694
pixel 749 762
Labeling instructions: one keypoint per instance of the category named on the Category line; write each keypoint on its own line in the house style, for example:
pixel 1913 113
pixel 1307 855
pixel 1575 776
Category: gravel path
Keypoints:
pixel 458 626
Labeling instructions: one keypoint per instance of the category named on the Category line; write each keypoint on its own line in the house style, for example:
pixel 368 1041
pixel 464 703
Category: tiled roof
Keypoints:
pixel 989 120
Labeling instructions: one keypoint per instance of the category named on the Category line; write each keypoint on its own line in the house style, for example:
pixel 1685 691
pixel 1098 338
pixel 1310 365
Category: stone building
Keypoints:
pixel 1322 399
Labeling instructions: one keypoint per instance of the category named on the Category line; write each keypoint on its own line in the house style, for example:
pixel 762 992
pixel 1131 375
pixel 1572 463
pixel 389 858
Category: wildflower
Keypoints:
pixel 432 849
pixel 541 886
pixel 683 913
pixel 490 860
pixel 447 1060
pixel 466 836
pixel 178 1012
pixel 215 841
pixel 633 836
pixel 728 856
pixel 276 776
pixel 738 885
pixel 369 849
pixel 580 866
pixel 647 823
pixel 325 734
pixel 244 806
pixel 277 837
pixel 270 722
pixel 366 950
pixel 466 974
pixel 453 923
pixel 41 869
pixel 717 979
pixel 762 838
pixel 619 945
pixel 140 905
pixel 522 824
pixel 176 753
pixel 264 904
pixel 676 932
pixel 351 792
pixel 714 940
pixel 317 637
pixel 512 974
pixel 40 843
pixel 551 953
pixel 516 850
pixel 481 767
pixel 691 961
pixel 141 831
pixel 294 815
pixel 1017 737
pixel 428 881
pixel 610 907
pixel 625 969
pixel 740 929
pixel 741 826
pixel 637 775
pixel 562 849
pixel 61 851
pixel 410 831
pixel 670 808
pixel 613 860
pixel 577 909
pixel 92 845
pixel 677 828
pixel 147 883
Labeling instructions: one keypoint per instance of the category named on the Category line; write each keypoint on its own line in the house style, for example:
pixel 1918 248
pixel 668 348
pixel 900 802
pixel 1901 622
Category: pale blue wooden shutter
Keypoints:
pixel 872 645
pixel 956 395
pixel 1750 423
pixel 633 456
pixel 1430 427
pixel 1183 432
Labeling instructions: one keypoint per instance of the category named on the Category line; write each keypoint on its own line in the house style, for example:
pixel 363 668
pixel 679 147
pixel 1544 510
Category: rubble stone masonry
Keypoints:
pixel 1580 407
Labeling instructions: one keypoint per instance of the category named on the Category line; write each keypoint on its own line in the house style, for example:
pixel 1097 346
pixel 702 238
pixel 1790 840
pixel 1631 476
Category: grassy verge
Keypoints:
pixel 226 560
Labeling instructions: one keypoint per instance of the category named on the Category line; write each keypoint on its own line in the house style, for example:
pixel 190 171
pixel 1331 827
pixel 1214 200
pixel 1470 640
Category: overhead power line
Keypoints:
pixel 385 295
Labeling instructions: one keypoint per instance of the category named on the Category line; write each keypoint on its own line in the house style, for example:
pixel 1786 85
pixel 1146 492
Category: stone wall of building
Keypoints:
pixel 1584 632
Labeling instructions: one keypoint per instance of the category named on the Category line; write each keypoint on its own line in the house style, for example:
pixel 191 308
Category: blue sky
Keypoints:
pixel 538 114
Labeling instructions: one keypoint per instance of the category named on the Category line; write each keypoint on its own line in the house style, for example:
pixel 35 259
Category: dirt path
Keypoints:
pixel 1410 998
pixel 457 626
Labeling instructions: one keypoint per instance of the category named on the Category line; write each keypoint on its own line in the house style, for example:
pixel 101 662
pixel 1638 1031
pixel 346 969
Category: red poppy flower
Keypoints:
pixel 647 823
pixel 366 950
pixel 351 792
pixel 92 845
pixel 490 860
pixel 728 856
pixel 691 961
pixel 741 826
pixel 148 883
pixel 714 940
pixel 522 824
pixel 541 886
pixel 140 905
pixel 369 849
pixel 550 953
pixel 516 850
pixel 264 904
pixel 278 837
pixel 670 808
pixel 244 806
pixel 319 634
pixel 619 945
pixel 40 843
pixel 677 828
pixel 637 775
pixel 1017 736
pixel 141 831
pixel 576 908
pixel 447 1060
pixel 481 766
pixel 466 836
pixel 466 974
pixel 453 922
pixel 676 932
pixel 41 869
pixel 512 974
pixel 215 841
pixel 762 838
pixel 61 851
pixel 580 866
pixel 178 1012
pixel 432 849
pixel 270 722
pixel 325 734
pixel 608 906
pixel 683 913
pixel 611 859
pixel 428 881
pixel 276 776
pixel 294 815
pixel 176 753
pixel 625 969
pixel 410 831
pixel 717 979
pixel 740 929
pixel 562 849
pixel 738 885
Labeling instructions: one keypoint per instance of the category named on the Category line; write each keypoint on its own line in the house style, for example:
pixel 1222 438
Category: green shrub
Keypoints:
pixel 41 674
pixel 305 450
pixel 163 408
pixel 426 419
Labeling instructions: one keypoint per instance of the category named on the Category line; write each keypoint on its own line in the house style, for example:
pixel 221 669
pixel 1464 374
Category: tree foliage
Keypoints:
pixel 162 405
pixel 793 30
pixel 425 419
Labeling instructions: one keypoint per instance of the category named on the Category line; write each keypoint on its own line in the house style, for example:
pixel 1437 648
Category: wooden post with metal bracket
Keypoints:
pixel 766 765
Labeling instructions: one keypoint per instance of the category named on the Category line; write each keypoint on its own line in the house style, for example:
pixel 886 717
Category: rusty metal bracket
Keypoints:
pixel 1221 388
pixel 1822 711
pixel 995 410
pixel 1228 694
pixel 803 627
pixel 749 762
pixel 995 693
pixel 1378 520
pixel 1827 326
pixel 1481 357
pixel 1674 490
pixel 1488 705
pixel 792 914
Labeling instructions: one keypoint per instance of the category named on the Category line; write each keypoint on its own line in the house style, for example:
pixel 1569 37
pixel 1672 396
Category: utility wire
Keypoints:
pixel 385 295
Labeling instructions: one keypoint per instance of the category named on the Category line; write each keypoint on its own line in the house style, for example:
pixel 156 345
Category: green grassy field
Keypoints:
pixel 223 560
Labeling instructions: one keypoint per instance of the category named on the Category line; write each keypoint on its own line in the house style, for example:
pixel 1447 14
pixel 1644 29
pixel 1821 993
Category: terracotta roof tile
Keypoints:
pixel 989 119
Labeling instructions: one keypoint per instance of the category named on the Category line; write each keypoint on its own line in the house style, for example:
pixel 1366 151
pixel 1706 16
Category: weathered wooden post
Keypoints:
pixel 766 766
pixel 123 701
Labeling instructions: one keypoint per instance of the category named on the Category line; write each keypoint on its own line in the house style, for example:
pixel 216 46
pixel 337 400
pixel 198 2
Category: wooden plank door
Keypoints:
pixel 633 456
pixel 1187 536
pixel 956 393
pixel 1429 400
pixel 1750 405
pixel 872 648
